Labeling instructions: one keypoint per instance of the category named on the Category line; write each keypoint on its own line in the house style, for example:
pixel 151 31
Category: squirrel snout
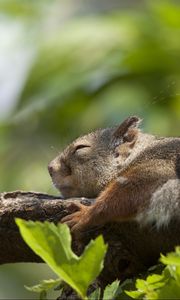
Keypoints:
pixel 54 167
pixel 60 167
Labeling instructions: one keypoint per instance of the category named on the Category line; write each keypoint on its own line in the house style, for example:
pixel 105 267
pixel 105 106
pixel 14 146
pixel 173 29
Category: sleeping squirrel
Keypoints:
pixel 132 175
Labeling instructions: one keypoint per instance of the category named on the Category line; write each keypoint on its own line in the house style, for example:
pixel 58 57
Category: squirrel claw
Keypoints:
pixel 74 206
pixel 74 221
pixel 69 219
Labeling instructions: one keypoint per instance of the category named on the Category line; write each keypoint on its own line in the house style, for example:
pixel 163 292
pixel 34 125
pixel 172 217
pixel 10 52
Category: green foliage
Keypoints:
pixel 43 287
pixel 103 65
pixel 161 286
pixel 95 294
pixel 111 290
pixel 53 244
pixel 23 9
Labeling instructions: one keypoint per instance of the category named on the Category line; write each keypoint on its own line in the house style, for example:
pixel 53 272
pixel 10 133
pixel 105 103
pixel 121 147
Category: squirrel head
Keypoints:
pixel 89 163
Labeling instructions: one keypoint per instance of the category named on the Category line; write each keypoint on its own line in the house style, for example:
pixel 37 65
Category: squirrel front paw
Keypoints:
pixel 77 220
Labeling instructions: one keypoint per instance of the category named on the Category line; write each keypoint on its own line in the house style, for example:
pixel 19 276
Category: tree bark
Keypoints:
pixel 132 248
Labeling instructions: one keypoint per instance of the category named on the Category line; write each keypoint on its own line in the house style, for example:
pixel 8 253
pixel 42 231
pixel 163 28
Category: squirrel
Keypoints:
pixel 133 176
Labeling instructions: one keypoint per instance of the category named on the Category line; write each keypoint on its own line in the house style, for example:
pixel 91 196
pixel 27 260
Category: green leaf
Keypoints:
pixel 122 291
pixel 95 295
pixel 169 291
pixel 53 244
pixel 110 290
pixel 135 294
pixel 44 285
pixel 172 258
pixel 148 287
pixel 161 286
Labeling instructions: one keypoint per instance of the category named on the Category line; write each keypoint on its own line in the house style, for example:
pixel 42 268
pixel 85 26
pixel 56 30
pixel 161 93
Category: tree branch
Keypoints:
pixel 131 248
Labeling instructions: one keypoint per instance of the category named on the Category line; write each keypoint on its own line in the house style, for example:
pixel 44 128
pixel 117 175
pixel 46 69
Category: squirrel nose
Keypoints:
pixel 59 166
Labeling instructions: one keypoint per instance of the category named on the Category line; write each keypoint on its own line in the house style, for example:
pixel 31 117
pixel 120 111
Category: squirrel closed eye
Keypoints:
pixel 79 147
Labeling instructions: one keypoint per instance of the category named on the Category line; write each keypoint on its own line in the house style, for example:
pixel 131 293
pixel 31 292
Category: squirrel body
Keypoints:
pixel 132 175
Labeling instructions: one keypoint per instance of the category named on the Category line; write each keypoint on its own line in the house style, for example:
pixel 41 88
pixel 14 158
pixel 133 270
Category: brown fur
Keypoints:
pixel 123 168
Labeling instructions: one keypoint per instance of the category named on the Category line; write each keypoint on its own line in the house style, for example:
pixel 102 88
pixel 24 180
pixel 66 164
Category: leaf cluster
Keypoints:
pixel 53 244
pixel 161 286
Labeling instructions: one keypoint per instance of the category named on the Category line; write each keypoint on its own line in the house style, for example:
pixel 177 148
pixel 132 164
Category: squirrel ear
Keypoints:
pixel 128 129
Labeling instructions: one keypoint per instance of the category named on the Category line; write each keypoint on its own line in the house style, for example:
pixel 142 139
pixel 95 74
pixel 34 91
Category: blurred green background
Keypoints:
pixel 68 67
